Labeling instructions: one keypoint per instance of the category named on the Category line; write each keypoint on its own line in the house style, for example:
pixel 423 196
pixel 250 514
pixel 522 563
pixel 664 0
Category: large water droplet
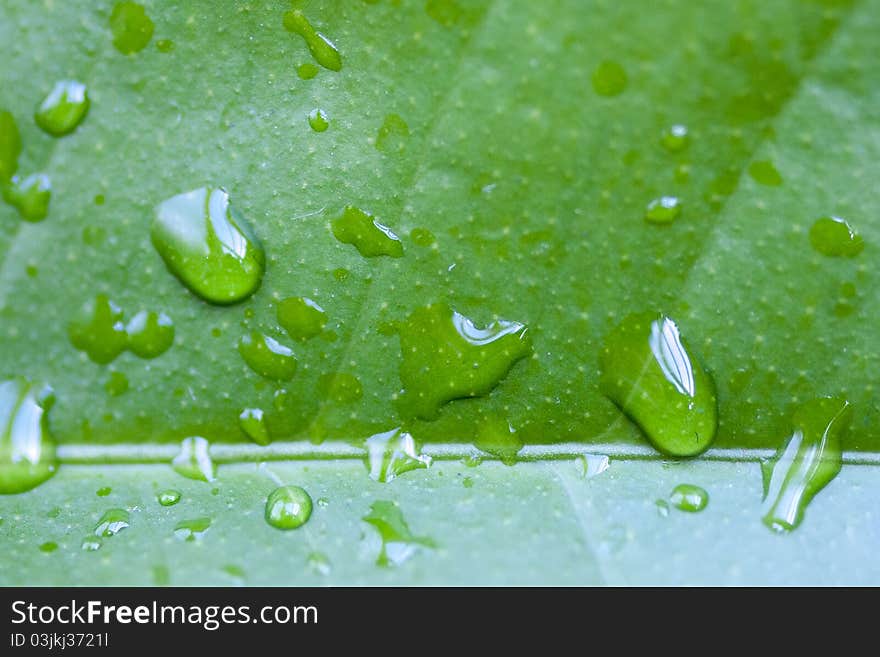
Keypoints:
pixel 112 522
pixel 391 454
pixel 192 529
pixel 301 317
pixel 649 373
pixel 64 108
pixel 495 436
pixel 321 48
pixel 98 330
pixel 253 422
pixel 398 542
pixel 446 357
pixel 131 27
pixel 609 79
pixel 807 462
pixel 663 210
pixel 10 145
pixel 369 237
pixel 690 498
pixel 193 461
pixel 208 245
pixel 150 334
pixel 288 507
pixel 27 451
pixel 168 497
pixel 591 465
pixel 30 196
pixel 267 357
pixel 833 236
pixel 318 120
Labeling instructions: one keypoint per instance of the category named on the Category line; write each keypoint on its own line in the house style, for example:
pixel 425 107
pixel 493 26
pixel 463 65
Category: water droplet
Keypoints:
pixel 446 357
pixel 112 522
pixel 131 27
pixel 104 491
pixel 764 173
pixel 649 373
pixel 354 226
pixel 168 497
pixel 10 145
pixel 98 330
pixel 591 465
pixel 208 245
pixel 319 563
pixel 30 196
pixel 690 498
pixel 267 357
pixel 91 544
pixel 662 508
pixel 63 109
pixel 393 134
pixel 288 507
pixel 609 79
pixel 321 48
pixel 467 482
pixel 391 454
pixel 663 210
pixel 194 461
pixel 807 462
pixel 165 45
pixel 192 530
pixel 675 138
pixel 301 317
pixel 150 334
pixel 117 384
pixel 27 451
pixel 253 422
pixel 495 436
pixel 833 236
pixel 398 542
pixel 318 120
pixel 234 571
pixel 48 546
pixel 307 71
pixel 340 387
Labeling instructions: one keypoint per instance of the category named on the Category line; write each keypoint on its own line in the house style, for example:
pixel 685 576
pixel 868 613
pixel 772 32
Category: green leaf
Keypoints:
pixel 520 152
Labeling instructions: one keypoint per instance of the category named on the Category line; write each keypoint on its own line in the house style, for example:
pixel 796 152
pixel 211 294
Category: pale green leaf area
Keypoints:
pixel 518 186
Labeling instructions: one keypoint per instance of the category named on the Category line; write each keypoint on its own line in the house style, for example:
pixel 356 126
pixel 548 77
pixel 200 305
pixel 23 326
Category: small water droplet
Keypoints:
pixel 267 357
pixel 495 436
pixel 662 508
pixel 675 138
pixel 467 482
pixel 150 334
pixel 690 498
pixel 318 120
pixel 446 357
pixel 30 196
pixel 10 145
pixel 663 210
pixel 131 27
pixel 393 134
pixel 807 462
pixel 319 563
pixel 104 491
pixel 609 79
pixel 168 497
pixel 165 45
pixel 27 451
pixel 301 317
pixel 398 542
pixel 112 522
pixel 288 507
pixel 392 453
pixel 64 108
pixel 117 384
pixel 833 236
pixel 91 544
pixel 591 465
pixel 648 372
pixel 321 48
pixel 192 530
pixel 764 173
pixel 253 423
pixel 208 245
pixel 98 330
pixel 48 546
pixel 194 461
pixel 359 228
pixel 307 71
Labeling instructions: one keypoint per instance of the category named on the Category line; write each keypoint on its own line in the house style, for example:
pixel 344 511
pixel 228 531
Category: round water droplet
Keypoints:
pixel 98 330
pixel 30 196
pixel 194 461
pixel 131 27
pixel 318 120
pixel 208 245
pixel 288 507
pixel 168 497
pixel 150 334
pixel 690 498
pixel 10 145
pixel 609 79
pixel 833 236
pixel 764 173
pixel 112 522
pixel 663 210
pixel 267 357
pixel 307 71
pixel 193 529
pixel 675 138
pixel 64 108
pixel 253 422
pixel 359 228
pixel 27 451
pixel 301 317
pixel 321 48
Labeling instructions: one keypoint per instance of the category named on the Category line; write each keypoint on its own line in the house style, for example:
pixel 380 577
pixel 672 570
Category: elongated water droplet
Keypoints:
pixel 27 451
pixel 647 370
pixel 675 138
pixel 131 27
pixel 446 357
pixel 10 145
pixel 807 462
pixel 318 120
pixel 833 236
pixel 288 507
pixel 98 330
pixel 112 522
pixel 103 491
pixel 208 245
pixel 591 465
pixel 48 547
pixel 267 357
pixel 168 497
pixel 64 108
pixel 192 529
pixel 663 210
pixel 690 498
pixel 253 422
pixel 321 48
pixel 495 436
pixel 369 237
pixel 194 461
pixel 150 334
pixel 609 79
pixel 30 196
pixel 764 173
pixel 393 134
pixel 391 454
pixel 398 542
pixel 301 317
pixel 340 387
